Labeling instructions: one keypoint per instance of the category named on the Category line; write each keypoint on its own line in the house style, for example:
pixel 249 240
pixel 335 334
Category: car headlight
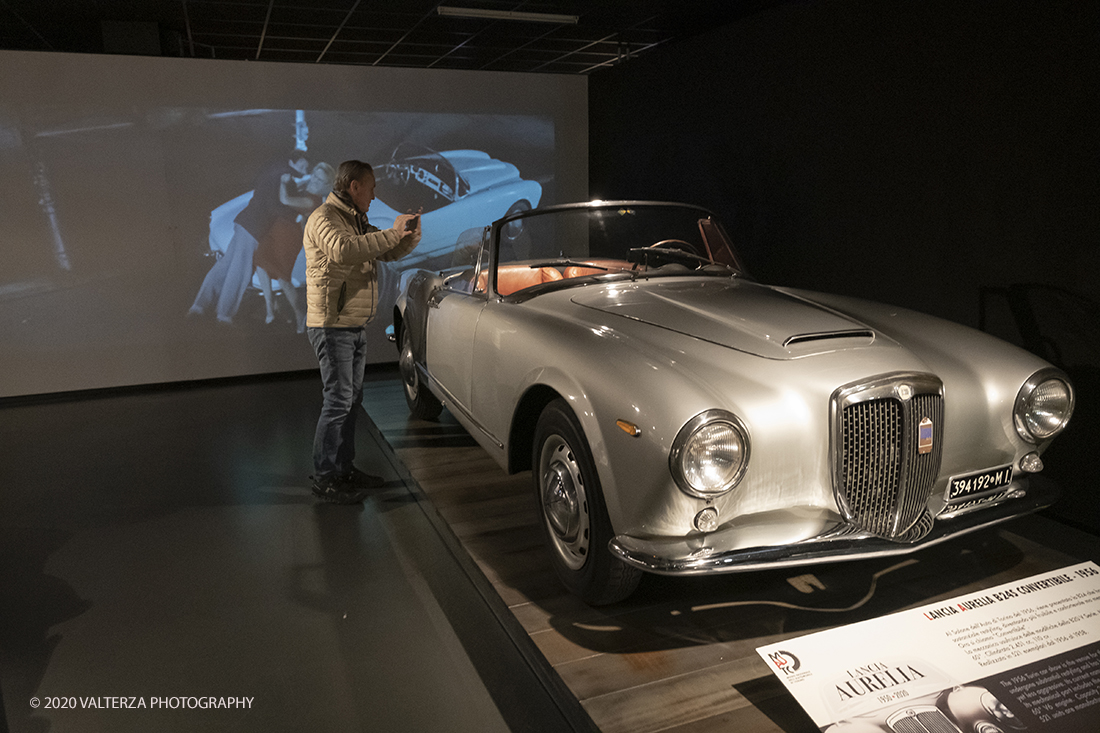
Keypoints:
pixel 709 454
pixel 1000 712
pixel 1043 405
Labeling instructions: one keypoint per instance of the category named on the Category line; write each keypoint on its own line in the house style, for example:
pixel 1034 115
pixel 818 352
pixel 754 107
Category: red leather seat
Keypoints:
pixel 513 278
pixel 610 265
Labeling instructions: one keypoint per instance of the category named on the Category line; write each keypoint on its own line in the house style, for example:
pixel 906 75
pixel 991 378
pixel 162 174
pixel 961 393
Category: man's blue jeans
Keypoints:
pixel 342 354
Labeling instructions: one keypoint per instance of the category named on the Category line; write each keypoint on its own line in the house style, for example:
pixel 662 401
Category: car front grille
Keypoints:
pixel 883 477
pixel 922 721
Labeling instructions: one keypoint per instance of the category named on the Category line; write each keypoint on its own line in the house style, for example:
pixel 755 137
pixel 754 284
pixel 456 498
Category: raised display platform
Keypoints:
pixel 679 655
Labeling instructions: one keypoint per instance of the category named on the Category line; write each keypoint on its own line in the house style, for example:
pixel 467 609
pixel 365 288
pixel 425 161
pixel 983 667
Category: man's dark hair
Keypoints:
pixel 350 170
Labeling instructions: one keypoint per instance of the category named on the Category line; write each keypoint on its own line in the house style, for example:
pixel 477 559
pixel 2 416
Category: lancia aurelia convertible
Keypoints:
pixel 679 417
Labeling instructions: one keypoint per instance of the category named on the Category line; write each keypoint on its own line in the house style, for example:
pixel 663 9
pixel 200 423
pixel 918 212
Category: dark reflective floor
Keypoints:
pixel 160 548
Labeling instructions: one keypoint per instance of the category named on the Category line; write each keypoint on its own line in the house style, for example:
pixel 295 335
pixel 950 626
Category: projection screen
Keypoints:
pixel 121 179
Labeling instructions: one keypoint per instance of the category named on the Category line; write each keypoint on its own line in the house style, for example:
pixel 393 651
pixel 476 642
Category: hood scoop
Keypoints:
pixel 866 336
pixel 738 314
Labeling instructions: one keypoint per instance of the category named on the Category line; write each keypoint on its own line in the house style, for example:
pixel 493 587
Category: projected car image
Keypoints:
pixel 457 190
pixel 681 418
pixel 962 709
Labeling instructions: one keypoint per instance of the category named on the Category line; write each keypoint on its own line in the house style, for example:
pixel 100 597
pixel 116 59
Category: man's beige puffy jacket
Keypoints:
pixel 341 279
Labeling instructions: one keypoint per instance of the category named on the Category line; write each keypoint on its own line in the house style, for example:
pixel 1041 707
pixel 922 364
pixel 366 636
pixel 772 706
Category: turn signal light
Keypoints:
pixel 707 520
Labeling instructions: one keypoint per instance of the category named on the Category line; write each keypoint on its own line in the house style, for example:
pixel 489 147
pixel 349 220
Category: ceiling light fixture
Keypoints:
pixel 506 15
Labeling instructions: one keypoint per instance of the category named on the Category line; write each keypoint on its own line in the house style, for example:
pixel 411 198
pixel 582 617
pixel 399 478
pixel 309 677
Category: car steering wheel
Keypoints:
pixel 676 244
pixel 400 174
pixel 671 250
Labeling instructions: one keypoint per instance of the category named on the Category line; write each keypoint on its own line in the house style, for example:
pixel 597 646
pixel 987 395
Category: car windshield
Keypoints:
pixel 417 177
pixel 572 245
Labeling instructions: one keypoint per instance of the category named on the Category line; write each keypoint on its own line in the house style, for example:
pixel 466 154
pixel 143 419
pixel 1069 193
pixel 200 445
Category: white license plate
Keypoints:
pixel 979 482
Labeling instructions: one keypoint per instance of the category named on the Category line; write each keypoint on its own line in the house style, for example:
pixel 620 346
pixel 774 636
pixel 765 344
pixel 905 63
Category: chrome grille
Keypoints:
pixel 883 481
pixel 872 462
pixel 922 721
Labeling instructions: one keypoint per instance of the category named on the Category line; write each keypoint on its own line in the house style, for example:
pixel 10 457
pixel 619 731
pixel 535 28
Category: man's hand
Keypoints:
pixel 407 223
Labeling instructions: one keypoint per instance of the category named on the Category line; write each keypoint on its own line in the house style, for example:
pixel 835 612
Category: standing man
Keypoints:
pixel 341 298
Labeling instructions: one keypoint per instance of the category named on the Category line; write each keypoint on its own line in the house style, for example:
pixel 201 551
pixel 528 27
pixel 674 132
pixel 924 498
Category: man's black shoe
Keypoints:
pixel 360 480
pixel 337 490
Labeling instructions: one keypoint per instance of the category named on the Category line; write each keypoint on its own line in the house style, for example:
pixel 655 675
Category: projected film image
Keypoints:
pixel 121 227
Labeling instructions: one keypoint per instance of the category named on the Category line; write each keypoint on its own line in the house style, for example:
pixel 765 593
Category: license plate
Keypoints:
pixel 979 482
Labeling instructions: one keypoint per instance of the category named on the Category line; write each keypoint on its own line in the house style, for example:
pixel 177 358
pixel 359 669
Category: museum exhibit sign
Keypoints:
pixel 1022 656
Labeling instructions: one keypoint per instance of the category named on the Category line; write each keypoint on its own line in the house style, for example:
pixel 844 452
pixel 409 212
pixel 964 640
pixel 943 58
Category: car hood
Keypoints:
pixel 738 314
pixel 480 170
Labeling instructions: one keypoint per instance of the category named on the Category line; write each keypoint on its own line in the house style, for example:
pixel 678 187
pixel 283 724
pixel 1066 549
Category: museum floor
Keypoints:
pixel 161 547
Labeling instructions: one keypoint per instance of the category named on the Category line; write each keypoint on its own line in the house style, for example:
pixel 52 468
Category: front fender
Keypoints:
pixel 534 357
pixel 411 310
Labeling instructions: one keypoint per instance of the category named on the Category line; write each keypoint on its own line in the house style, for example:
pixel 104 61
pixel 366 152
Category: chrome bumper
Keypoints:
pixel 705 553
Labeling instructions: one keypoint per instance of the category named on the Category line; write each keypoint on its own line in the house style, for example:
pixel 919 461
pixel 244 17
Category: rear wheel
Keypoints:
pixel 574 519
pixel 422 403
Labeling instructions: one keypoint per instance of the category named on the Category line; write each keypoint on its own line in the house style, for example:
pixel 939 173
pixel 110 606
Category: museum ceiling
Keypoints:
pixel 544 36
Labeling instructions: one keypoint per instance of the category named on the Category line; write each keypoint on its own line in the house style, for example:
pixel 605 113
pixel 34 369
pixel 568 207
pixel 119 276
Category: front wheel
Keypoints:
pixel 574 520
pixel 514 229
pixel 422 403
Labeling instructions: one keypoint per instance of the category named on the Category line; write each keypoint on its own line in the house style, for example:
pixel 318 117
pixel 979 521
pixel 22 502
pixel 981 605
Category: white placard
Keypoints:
pixel 1022 656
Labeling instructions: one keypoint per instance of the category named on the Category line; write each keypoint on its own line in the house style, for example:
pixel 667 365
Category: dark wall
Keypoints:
pixel 927 153
pixel 908 151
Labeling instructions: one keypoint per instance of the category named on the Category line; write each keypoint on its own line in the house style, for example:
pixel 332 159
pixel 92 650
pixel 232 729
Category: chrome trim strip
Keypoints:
pixel 957 510
pixel 654 556
pixel 611 204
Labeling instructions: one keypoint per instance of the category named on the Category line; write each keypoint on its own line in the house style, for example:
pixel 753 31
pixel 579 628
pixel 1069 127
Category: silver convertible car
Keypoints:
pixel 679 417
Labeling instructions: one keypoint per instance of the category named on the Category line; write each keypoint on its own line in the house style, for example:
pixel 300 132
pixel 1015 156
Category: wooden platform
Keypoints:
pixel 679 655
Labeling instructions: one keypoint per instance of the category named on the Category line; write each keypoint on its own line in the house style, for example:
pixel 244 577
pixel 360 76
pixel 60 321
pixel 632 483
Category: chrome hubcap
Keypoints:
pixel 560 502
pixel 407 367
pixel 564 502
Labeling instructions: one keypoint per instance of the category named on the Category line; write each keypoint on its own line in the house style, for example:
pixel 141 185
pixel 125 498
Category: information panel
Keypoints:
pixel 1024 656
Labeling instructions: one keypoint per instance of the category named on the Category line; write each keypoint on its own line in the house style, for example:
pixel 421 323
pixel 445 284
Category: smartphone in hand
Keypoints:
pixel 412 223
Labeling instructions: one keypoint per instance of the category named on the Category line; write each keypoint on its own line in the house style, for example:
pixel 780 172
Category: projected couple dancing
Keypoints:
pixel 266 239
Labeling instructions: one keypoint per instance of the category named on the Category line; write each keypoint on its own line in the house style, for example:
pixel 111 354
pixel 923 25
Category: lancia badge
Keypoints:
pixel 924 439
